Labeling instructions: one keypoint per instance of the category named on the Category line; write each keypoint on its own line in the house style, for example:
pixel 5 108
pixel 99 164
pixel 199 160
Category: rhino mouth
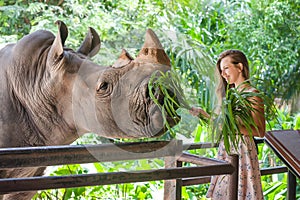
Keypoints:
pixel 149 114
pixel 172 120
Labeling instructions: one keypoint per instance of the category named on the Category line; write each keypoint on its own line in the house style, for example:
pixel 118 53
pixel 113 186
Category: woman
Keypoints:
pixel 233 71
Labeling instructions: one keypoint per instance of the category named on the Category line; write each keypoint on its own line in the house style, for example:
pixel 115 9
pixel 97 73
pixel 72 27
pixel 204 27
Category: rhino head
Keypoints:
pixel 59 94
pixel 114 101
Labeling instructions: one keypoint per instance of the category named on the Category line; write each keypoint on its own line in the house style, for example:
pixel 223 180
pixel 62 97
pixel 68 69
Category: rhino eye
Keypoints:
pixel 103 86
pixel 61 56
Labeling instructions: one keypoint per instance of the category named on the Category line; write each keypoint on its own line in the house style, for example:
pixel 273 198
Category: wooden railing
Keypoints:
pixel 175 175
pixel 291 184
pixel 57 155
pixel 203 180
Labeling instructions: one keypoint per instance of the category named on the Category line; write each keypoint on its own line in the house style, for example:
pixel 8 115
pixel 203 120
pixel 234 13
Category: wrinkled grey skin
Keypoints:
pixel 51 95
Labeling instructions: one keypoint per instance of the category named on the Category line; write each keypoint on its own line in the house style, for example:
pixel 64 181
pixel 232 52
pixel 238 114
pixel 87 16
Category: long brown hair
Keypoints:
pixel 237 57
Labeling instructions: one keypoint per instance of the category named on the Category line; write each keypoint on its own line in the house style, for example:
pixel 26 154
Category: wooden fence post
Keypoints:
pixel 172 188
pixel 233 179
pixel 291 194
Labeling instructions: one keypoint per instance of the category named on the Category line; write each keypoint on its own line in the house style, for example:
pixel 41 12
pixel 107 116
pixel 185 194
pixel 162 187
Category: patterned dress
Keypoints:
pixel 249 183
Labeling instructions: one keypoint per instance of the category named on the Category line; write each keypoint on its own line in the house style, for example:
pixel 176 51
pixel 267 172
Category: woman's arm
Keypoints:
pixel 197 112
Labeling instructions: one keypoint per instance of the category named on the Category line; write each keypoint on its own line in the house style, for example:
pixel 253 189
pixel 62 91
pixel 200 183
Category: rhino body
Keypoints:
pixel 51 94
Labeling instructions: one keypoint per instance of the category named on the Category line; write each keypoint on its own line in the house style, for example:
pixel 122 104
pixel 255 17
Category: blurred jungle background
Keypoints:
pixel 193 33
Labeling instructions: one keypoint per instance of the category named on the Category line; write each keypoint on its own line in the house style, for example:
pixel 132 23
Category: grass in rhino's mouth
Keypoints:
pixel 166 92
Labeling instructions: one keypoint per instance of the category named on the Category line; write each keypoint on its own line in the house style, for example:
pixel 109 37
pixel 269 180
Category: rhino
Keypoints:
pixel 52 94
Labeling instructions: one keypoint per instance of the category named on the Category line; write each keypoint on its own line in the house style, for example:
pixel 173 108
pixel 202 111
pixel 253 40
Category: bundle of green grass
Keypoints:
pixel 236 108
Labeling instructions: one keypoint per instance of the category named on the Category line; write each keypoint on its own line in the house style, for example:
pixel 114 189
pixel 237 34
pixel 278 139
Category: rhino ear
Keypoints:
pixel 123 59
pixel 152 50
pixel 91 43
pixel 57 50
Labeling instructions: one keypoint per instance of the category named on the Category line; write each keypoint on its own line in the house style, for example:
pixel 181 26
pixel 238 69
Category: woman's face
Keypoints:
pixel 232 73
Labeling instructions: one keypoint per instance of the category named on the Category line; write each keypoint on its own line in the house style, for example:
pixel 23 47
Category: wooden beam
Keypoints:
pixel 68 154
pixel 203 180
pixel 198 160
pixel 52 182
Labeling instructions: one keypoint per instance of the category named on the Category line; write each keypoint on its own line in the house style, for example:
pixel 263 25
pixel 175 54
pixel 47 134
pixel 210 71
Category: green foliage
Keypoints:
pixel 15 19
pixel 201 20
pixel 268 32
pixel 196 192
pixel 195 67
pixel 284 121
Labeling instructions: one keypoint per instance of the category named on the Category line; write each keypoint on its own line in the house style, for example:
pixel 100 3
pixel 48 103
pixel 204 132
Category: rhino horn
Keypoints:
pixel 56 50
pixel 123 59
pixel 152 50
pixel 91 44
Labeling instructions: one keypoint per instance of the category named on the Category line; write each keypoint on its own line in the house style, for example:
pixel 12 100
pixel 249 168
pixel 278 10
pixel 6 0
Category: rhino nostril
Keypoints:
pixel 147 95
pixel 147 92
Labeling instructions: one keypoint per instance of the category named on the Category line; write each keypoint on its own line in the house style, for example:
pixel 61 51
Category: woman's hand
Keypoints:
pixel 199 112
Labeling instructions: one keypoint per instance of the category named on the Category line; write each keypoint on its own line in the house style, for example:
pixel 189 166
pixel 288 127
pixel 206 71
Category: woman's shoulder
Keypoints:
pixel 250 88
pixel 255 93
